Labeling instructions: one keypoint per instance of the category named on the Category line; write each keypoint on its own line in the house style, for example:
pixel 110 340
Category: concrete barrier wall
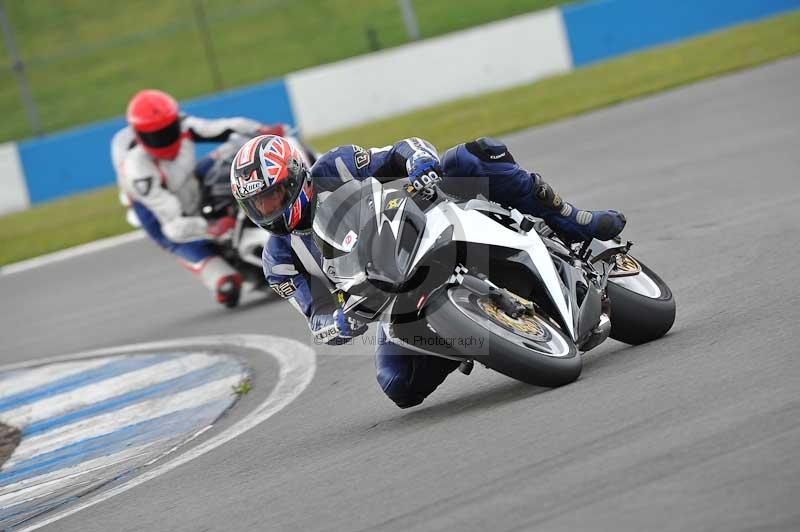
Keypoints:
pixel 13 189
pixel 382 84
pixel 490 57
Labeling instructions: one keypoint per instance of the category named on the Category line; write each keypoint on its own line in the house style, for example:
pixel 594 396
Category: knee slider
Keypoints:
pixel 398 391
pixel 408 403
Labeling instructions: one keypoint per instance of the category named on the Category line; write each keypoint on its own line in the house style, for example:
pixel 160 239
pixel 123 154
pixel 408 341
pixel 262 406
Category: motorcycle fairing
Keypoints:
pixel 474 227
pixel 354 203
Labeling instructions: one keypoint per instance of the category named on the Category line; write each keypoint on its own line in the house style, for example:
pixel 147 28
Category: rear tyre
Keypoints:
pixel 531 350
pixel 642 307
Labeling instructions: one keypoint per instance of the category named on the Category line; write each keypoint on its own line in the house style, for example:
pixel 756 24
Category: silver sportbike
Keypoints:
pixel 474 281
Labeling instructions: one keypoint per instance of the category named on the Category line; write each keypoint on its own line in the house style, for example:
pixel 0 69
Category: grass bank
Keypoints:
pixel 84 218
pixel 68 46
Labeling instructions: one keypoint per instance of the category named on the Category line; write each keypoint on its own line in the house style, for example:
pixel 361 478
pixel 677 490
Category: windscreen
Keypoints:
pixel 337 222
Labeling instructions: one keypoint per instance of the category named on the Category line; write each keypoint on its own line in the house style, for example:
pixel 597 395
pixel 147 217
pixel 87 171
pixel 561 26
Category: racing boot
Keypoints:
pixel 229 288
pixel 224 282
pixel 572 223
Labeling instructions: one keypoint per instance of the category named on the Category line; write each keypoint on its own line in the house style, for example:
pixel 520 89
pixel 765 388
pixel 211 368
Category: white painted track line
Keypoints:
pixel 55 405
pixel 44 376
pixel 70 253
pixel 30 489
pixel 117 419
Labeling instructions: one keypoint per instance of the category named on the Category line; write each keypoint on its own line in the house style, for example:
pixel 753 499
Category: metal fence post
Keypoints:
pixel 410 18
pixel 205 36
pixel 19 71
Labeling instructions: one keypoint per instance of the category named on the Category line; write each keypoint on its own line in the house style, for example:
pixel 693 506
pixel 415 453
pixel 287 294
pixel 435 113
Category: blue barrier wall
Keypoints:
pixel 79 159
pixel 602 29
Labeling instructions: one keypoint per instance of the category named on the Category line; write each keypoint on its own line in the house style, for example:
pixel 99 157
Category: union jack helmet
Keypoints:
pixel 271 181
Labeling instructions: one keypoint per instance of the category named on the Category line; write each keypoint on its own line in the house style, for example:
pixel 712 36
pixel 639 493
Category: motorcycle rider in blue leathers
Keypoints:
pixel 278 193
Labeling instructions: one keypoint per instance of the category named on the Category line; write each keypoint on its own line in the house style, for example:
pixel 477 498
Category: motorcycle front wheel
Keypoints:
pixel 530 349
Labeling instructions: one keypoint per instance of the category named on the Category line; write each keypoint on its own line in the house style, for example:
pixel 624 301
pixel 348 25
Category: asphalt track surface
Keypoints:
pixel 698 431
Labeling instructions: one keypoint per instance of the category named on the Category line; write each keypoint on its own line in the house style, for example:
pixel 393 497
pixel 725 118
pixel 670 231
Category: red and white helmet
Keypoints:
pixel 154 117
pixel 272 183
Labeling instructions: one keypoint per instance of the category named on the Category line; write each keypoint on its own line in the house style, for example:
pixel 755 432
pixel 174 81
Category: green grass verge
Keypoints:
pixel 61 224
pixel 69 46
pixel 80 219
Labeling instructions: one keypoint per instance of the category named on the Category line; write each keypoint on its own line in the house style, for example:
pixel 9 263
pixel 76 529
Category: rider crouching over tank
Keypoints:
pixel 279 193
pixel 154 158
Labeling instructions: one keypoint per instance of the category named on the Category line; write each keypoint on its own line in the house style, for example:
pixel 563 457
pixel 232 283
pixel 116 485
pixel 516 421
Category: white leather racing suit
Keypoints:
pixel 166 195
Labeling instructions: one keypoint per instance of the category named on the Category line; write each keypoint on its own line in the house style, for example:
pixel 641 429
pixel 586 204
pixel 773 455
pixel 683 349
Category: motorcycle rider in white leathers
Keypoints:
pixel 154 158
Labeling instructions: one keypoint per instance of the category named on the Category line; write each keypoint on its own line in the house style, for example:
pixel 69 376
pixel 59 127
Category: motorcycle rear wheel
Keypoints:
pixel 532 350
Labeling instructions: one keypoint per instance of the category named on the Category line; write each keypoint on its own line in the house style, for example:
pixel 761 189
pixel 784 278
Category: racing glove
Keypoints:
pixel 336 328
pixel 424 172
pixel 221 228
pixel 348 327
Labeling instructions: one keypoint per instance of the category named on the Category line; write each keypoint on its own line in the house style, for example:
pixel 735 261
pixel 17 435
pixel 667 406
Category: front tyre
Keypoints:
pixel 529 349
pixel 642 305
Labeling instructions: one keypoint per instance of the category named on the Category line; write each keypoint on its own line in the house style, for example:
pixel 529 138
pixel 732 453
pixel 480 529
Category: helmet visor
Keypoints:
pixel 269 205
pixel 161 138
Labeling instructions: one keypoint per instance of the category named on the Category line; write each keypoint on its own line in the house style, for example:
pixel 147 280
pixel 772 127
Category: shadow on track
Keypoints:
pixel 468 403
pixel 513 391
